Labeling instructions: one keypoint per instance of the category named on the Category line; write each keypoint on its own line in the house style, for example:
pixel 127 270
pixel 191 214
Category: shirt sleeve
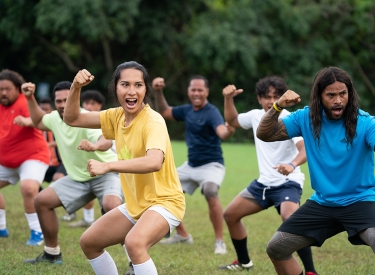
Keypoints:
pixel 216 118
pixel 46 120
pixel 179 112
pixel 156 136
pixel 106 123
pixel 292 123
pixel 245 120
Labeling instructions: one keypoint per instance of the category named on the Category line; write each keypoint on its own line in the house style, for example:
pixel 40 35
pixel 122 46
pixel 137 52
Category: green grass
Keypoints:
pixel 336 257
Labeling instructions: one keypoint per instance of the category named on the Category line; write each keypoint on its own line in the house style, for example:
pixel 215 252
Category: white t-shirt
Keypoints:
pixel 271 154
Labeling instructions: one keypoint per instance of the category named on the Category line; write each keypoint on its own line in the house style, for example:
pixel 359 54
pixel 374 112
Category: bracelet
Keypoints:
pixel 277 107
pixel 30 97
pixel 292 165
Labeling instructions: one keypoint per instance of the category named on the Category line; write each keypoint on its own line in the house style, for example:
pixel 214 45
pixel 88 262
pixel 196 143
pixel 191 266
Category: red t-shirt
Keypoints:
pixel 18 144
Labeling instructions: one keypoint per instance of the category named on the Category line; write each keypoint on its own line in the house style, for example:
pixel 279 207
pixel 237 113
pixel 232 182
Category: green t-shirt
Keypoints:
pixel 68 139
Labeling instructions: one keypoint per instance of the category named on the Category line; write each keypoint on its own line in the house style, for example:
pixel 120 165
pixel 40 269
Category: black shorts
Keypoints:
pixel 274 195
pixel 322 222
pixel 52 170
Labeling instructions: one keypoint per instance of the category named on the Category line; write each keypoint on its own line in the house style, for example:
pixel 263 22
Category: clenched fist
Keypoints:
pixel 97 168
pixel 28 89
pixel 289 98
pixel 83 78
pixel 158 84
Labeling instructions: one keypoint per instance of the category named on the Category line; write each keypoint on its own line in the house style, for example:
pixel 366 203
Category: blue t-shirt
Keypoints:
pixel 340 174
pixel 200 133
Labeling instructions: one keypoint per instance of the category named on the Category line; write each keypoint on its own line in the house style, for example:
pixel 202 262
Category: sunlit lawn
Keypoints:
pixel 337 256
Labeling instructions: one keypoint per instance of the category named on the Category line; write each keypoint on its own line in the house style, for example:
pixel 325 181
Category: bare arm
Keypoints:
pixel 152 162
pixel 161 103
pixel 23 121
pixel 230 111
pixel 72 113
pixel 224 132
pixel 271 128
pixel 36 114
pixel 287 168
pixel 101 144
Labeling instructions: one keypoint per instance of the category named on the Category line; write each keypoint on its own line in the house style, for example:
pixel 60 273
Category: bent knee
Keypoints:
pixel 210 190
pixel 110 202
pixel 276 251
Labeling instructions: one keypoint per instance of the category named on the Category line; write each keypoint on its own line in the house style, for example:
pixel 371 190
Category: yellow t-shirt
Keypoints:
pixel 141 191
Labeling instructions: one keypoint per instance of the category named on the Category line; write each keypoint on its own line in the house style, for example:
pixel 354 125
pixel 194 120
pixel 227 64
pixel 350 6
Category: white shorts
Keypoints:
pixel 168 216
pixel 193 177
pixel 28 170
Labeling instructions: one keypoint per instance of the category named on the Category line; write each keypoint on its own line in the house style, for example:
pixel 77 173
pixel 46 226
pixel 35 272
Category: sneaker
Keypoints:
pixel 310 273
pixel 45 258
pixel 36 238
pixel 176 238
pixel 220 247
pixel 80 223
pixel 4 233
pixel 68 218
pixel 130 269
pixel 236 265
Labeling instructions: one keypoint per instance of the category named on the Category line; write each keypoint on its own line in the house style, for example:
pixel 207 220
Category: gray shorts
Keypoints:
pixel 74 195
pixel 193 177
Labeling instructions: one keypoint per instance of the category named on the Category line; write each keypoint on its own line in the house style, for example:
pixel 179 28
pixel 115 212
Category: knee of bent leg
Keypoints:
pixel 110 202
pixel 210 190
pixel 87 244
pixel 275 251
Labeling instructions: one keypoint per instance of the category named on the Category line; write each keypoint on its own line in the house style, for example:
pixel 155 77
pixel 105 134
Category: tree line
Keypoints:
pixel 229 42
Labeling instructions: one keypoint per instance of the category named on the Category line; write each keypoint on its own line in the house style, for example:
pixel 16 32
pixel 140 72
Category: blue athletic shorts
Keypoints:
pixel 322 222
pixel 268 196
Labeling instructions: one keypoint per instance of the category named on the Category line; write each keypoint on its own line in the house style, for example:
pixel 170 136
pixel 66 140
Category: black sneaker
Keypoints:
pixel 236 265
pixel 130 270
pixel 45 258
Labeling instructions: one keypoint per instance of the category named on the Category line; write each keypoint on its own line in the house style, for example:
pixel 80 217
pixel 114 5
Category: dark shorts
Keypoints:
pixel 322 222
pixel 273 196
pixel 52 170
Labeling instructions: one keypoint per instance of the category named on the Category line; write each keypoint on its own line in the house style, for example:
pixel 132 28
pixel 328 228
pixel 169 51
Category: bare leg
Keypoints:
pixel 210 191
pixel 45 204
pixel 29 190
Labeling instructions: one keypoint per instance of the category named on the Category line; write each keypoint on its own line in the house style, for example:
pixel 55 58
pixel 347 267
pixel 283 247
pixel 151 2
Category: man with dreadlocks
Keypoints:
pixel 339 140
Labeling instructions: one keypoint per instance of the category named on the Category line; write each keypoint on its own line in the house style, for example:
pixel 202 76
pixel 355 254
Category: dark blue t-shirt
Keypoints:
pixel 200 133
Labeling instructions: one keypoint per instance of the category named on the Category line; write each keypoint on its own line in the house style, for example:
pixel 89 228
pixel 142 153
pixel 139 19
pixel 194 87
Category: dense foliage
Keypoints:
pixel 230 42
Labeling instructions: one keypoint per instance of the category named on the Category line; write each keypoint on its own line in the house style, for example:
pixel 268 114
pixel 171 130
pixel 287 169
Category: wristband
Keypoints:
pixel 30 97
pixel 294 168
pixel 277 107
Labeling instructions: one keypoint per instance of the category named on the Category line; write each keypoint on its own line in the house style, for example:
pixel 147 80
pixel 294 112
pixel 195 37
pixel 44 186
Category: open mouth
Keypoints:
pixel 337 111
pixel 131 102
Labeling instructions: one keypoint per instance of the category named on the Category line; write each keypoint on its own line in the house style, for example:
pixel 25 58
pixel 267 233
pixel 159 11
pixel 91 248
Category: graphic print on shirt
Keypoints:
pixel 124 154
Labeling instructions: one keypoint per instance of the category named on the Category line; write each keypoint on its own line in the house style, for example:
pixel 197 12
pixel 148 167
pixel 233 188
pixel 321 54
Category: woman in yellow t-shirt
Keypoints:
pixel 155 203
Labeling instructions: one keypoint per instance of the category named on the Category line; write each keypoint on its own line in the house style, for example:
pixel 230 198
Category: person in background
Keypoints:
pixel 77 146
pixel 56 169
pixel 24 154
pixel 92 100
pixel 204 129
pixel 281 180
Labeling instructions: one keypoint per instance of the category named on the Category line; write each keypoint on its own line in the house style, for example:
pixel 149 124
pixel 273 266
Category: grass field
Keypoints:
pixel 336 257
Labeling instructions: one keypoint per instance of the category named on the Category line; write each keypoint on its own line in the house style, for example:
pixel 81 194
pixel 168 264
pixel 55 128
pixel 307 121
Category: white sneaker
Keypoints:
pixel 176 238
pixel 220 247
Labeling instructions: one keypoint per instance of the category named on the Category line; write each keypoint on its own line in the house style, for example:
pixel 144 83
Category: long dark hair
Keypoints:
pixel 323 78
pixel 116 76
